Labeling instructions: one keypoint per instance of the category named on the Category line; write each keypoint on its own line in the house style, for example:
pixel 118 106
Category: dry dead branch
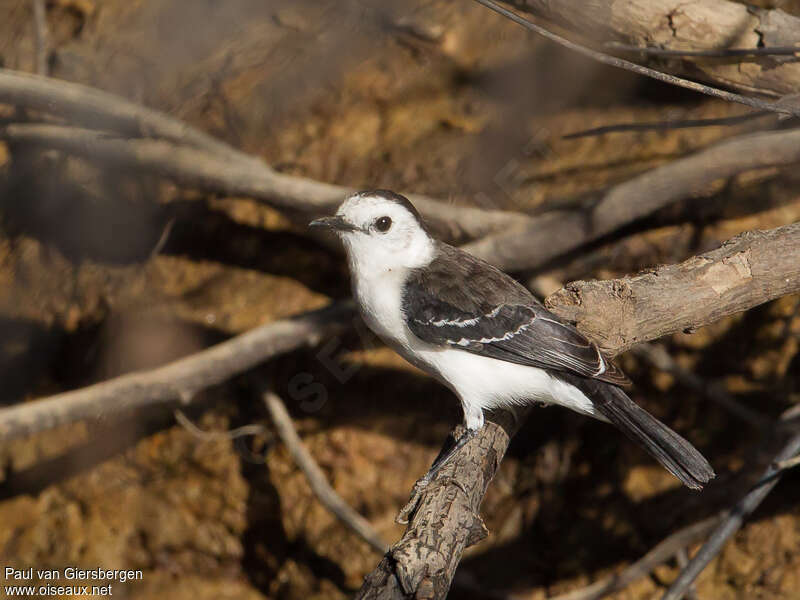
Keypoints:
pixel 98 109
pixel 181 379
pixel 734 519
pixel 300 197
pixel 784 106
pixel 316 478
pixel 750 269
pixel 444 522
pixel 682 26
pixel 658 555
pixel 555 234
pixel 737 275
pixel 525 242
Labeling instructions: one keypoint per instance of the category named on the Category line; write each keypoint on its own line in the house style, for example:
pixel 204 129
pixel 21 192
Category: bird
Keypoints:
pixel 483 334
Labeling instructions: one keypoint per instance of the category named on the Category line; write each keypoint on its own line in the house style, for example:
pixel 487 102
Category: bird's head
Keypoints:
pixel 381 231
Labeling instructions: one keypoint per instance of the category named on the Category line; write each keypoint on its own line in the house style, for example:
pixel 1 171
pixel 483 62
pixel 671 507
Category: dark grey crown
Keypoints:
pixel 398 199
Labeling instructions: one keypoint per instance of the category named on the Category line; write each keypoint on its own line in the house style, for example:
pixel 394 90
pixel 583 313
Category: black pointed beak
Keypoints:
pixel 335 223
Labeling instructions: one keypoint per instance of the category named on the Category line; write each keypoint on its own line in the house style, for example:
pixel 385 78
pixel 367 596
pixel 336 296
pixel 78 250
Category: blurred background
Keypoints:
pixel 103 272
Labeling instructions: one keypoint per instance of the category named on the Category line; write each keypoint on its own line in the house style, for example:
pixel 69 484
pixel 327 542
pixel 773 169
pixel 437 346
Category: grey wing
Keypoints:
pixel 492 315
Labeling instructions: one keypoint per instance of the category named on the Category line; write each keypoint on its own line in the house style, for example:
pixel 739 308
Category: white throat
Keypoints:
pixel 378 286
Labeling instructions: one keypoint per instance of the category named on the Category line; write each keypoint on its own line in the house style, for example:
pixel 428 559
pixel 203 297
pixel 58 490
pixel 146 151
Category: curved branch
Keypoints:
pixel 555 234
pixel 747 270
pixel 445 521
pixel 688 26
pixel 98 109
pixel 196 167
pixel 315 477
pixel 181 379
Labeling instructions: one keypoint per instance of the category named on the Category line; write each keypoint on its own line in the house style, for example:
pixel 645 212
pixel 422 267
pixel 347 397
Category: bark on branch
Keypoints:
pixel 299 197
pixel 555 234
pixel 444 523
pixel 697 25
pixel 181 379
pixel 748 270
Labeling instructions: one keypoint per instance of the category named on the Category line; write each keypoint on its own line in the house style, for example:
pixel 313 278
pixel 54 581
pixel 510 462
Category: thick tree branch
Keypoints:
pixel 697 25
pixel 445 522
pixel 196 167
pixel 555 234
pixel 614 61
pixel 748 270
pixel 98 109
pixel 512 241
pixel 181 379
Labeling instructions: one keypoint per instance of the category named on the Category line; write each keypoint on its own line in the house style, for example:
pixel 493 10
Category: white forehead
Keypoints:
pixel 361 208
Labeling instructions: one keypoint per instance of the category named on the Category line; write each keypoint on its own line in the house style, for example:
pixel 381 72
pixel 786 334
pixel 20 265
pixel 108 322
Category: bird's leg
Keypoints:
pixel 445 456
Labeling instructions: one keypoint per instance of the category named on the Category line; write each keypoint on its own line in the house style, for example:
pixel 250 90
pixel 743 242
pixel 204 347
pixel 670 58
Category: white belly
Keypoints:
pixel 480 382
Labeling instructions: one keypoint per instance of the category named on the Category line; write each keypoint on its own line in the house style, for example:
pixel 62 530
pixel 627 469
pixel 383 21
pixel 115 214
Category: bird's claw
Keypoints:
pixel 422 486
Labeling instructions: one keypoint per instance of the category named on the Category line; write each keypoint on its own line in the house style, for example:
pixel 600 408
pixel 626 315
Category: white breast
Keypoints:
pixel 480 382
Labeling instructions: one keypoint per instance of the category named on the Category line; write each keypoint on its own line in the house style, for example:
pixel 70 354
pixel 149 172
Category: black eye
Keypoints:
pixel 383 224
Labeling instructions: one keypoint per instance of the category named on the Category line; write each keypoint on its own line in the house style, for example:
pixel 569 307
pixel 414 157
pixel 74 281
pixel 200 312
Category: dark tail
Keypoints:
pixel 677 455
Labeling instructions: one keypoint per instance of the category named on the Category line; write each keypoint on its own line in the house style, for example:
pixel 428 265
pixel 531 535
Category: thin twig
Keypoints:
pixel 731 523
pixel 207 436
pixel 42 36
pixel 316 478
pixel 621 63
pixel 162 239
pixel 789 463
pixel 181 379
pixel 657 356
pixel 658 555
pixel 667 125
pixel 682 558
pixel 715 53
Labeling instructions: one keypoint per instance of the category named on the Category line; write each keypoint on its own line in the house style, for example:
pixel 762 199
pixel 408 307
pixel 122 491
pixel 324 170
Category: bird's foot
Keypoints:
pixel 423 483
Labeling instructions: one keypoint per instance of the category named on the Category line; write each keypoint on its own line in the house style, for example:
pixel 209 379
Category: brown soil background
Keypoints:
pixel 433 97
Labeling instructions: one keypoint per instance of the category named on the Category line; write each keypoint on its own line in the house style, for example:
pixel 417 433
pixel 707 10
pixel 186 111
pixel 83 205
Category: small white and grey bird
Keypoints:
pixel 483 334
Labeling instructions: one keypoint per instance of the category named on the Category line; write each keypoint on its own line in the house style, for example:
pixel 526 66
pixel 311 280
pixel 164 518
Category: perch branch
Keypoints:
pixel 747 270
pixel 181 379
pixel 701 25
pixel 557 233
pixel 316 478
pixel 444 522
pixel 196 167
